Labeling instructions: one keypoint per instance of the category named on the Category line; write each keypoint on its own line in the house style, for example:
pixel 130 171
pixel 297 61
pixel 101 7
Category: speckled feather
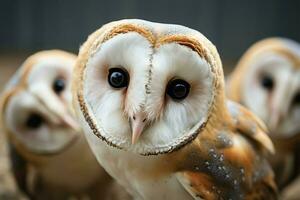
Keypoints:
pixel 230 164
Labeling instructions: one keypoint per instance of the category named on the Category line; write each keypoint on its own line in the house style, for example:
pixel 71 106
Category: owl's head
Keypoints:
pixel 267 81
pixel 146 87
pixel 36 104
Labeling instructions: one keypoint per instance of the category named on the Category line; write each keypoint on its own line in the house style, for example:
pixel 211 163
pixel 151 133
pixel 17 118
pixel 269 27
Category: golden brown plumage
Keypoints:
pixel 222 157
pixel 228 161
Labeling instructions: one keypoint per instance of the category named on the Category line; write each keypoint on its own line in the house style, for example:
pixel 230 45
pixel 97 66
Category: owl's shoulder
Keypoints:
pixel 230 162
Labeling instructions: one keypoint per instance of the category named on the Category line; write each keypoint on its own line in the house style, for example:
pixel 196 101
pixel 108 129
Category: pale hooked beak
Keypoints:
pixel 137 122
pixel 57 112
pixel 278 111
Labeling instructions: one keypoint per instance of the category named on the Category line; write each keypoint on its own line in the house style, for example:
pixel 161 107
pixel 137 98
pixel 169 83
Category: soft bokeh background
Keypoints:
pixel 27 26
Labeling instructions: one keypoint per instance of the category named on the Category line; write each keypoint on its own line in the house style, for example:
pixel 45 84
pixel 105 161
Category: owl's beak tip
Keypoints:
pixel 134 138
pixel 137 123
pixel 137 129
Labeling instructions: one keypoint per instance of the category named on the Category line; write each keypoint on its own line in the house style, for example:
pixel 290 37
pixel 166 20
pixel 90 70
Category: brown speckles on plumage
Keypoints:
pixel 201 184
pixel 223 140
pixel 234 159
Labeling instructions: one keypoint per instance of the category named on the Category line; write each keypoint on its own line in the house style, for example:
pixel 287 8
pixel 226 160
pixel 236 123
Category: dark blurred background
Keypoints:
pixel 30 25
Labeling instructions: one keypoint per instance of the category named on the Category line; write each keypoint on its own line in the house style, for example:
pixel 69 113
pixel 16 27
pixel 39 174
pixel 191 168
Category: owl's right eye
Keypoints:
pixel 178 89
pixel 34 121
pixel 118 78
pixel 267 82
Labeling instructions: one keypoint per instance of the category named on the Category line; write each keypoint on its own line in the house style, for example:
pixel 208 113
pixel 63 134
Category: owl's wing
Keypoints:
pixel 230 163
pixel 263 190
pixel 250 126
pixel 198 185
pixel 201 186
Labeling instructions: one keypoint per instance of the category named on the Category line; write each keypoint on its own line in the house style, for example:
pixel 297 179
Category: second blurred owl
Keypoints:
pixel 267 80
pixel 50 157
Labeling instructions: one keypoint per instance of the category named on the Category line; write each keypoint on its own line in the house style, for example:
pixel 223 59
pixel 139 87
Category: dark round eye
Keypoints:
pixel 59 85
pixel 297 99
pixel 267 82
pixel 118 78
pixel 178 89
pixel 34 121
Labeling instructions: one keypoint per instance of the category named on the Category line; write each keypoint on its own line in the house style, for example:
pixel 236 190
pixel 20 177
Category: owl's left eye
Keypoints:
pixel 178 89
pixel 118 77
pixel 58 85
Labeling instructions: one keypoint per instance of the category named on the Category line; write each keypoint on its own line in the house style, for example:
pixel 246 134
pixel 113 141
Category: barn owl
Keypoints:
pixel 50 156
pixel 267 81
pixel 150 98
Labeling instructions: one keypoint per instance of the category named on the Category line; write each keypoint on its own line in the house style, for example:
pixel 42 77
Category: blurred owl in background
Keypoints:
pixel 49 154
pixel 151 100
pixel 267 81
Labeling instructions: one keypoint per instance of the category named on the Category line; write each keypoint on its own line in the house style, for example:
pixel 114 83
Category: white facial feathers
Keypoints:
pixel 169 121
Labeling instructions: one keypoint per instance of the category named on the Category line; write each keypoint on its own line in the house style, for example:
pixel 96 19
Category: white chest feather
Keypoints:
pixel 132 171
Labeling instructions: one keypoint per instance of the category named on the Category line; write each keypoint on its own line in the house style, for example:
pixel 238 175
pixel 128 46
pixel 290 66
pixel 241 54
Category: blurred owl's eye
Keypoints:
pixel 178 89
pixel 297 99
pixel 118 78
pixel 267 82
pixel 59 85
pixel 34 121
